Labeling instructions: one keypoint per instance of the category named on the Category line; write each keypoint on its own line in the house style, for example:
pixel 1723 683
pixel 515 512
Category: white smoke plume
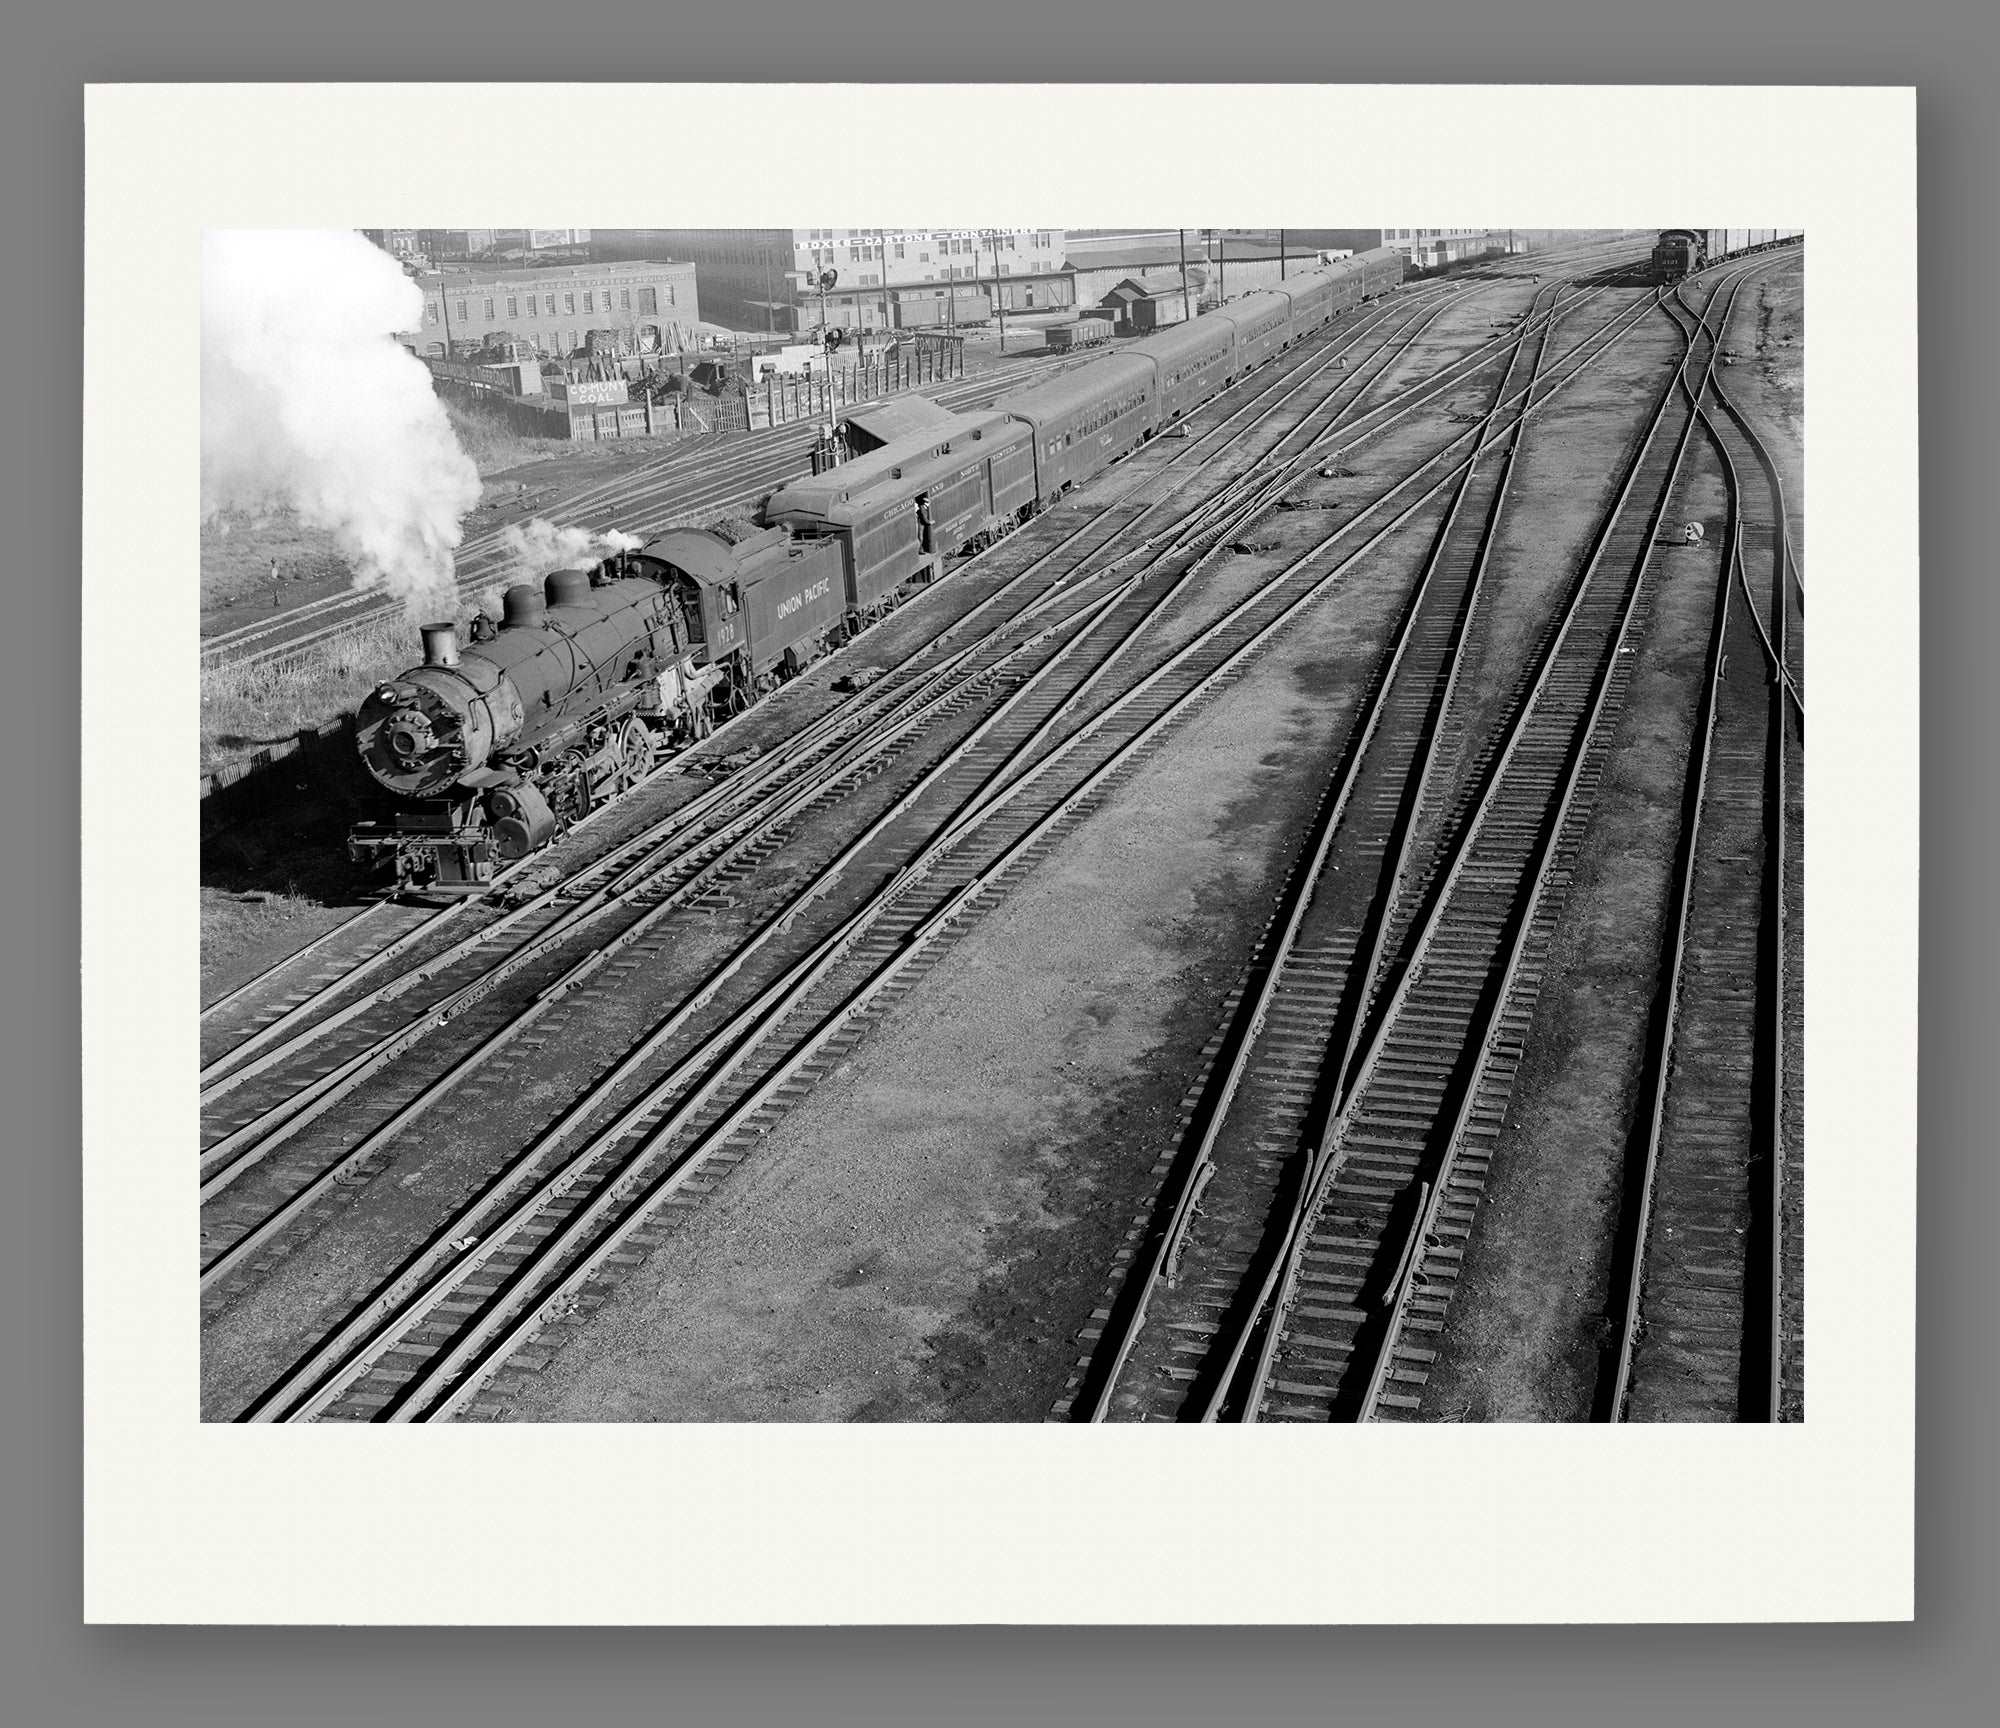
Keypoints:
pixel 307 400
pixel 536 547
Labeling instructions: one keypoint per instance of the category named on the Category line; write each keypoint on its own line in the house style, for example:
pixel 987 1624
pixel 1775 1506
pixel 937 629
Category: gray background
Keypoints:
pixel 55 1670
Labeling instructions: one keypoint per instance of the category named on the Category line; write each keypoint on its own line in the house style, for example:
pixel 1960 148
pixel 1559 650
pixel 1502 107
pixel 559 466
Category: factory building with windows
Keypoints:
pixel 648 306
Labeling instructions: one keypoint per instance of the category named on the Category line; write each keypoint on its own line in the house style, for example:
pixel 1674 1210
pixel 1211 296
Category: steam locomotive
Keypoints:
pixel 494 746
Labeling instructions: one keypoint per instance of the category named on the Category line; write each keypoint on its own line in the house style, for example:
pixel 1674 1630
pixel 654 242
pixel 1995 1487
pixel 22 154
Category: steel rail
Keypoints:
pixel 449 1383
pixel 1252 1014
pixel 230 1257
pixel 1276 1295
pixel 1536 874
pixel 916 870
pixel 1630 1268
pixel 836 719
pixel 745 476
pixel 776 453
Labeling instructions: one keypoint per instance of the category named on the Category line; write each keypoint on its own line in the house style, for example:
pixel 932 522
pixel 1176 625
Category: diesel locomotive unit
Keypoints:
pixel 1680 252
pixel 495 746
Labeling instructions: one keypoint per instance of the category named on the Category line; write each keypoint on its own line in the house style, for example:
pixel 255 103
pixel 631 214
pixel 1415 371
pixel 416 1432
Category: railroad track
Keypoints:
pixel 997 799
pixel 1709 1259
pixel 1154 1360
pixel 1360 1164
pixel 276 1002
pixel 261 1104
pixel 680 486
pixel 288 997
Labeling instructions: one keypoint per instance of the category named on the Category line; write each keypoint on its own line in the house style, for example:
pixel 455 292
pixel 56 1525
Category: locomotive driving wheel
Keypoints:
pixel 635 755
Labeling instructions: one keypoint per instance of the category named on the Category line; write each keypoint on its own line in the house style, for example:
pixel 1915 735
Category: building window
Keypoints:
pixel 569 303
pixel 625 299
pixel 489 311
pixel 923 257
pixel 551 304
pixel 899 248
pixel 462 313
pixel 648 301
pixel 513 306
pixel 430 311
pixel 590 302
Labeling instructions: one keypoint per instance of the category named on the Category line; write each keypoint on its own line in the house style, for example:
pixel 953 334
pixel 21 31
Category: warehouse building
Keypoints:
pixel 648 307
pixel 889 278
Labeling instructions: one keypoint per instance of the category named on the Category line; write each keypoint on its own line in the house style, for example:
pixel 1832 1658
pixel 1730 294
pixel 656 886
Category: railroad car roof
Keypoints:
pixel 993 432
pixel 708 557
pixel 1079 389
pixel 900 417
pixel 1260 302
pixel 1191 337
pixel 814 492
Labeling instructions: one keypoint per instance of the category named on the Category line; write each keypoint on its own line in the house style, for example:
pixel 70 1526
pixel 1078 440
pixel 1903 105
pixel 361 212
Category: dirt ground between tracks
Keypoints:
pixel 922 1238
pixel 1529 1319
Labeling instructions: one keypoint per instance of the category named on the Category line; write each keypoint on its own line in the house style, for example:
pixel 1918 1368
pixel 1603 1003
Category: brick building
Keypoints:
pixel 649 305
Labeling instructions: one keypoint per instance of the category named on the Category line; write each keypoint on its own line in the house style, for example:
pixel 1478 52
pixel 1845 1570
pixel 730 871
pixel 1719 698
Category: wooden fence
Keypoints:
pixel 781 399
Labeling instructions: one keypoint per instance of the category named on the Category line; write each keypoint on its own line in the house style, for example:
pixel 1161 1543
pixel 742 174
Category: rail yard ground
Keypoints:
pixel 938 1219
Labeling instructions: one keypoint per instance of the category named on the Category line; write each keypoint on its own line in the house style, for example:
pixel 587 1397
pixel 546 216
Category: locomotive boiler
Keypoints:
pixel 495 746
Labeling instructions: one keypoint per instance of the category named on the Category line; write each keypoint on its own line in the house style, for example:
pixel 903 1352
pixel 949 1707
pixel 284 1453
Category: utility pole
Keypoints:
pixel 1187 311
pixel 827 278
pixel 999 305
pixel 1222 266
pixel 1281 254
pixel 444 301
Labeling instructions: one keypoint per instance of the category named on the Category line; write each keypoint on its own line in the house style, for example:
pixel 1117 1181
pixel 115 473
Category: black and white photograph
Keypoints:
pixel 1008 825
pixel 1094 899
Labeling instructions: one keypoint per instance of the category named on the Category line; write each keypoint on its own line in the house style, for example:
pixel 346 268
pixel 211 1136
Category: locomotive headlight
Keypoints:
pixel 411 735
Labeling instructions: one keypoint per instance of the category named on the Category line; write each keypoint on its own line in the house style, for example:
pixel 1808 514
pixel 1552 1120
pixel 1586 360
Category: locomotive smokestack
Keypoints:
pixel 440 644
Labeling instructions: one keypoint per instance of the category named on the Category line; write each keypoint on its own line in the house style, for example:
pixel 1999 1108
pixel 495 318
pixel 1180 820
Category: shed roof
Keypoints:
pixel 1153 287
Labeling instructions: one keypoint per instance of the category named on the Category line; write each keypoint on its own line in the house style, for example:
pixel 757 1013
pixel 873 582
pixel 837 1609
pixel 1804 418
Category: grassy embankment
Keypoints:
pixel 246 708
